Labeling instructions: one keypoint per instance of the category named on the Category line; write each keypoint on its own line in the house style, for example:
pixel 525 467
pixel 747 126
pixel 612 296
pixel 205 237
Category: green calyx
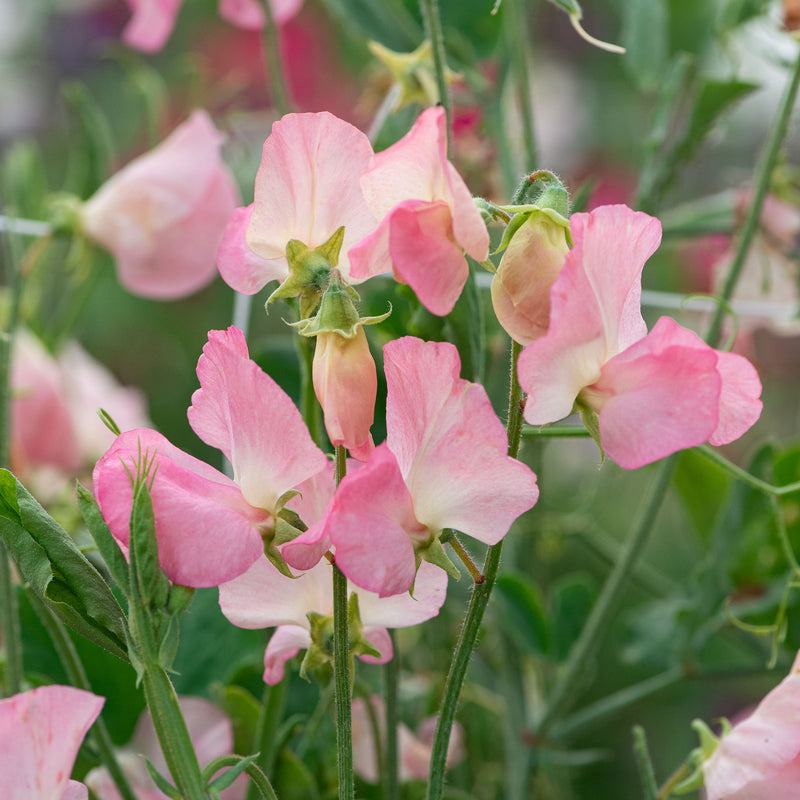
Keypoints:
pixel 64 212
pixel 698 756
pixel 309 271
pixel 337 311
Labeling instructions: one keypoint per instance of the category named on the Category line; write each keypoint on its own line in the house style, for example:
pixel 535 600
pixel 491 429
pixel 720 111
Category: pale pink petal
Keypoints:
pixel 308 186
pixel 40 733
pixel 760 758
pixel 308 548
pixel 469 229
pixel 315 493
pixel 371 255
pixel 246 14
pixel 405 610
pixel 379 638
pixel 658 397
pixel 206 531
pixel 284 10
pixel 151 23
pixel 75 791
pixel 285 643
pixel 424 254
pixel 346 384
pixel 365 756
pixel 262 597
pixel 238 265
pixel 594 309
pixel 739 406
pixel 450 445
pixel 243 412
pixel 369 521
pixel 163 215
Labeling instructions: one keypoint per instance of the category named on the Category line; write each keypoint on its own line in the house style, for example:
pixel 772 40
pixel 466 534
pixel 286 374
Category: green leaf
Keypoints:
pixel 152 582
pixel 571 600
pixel 645 35
pixel 243 709
pixel 50 561
pixel 293 780
pixel 24 181
pixel 224 780
pixel 522 615
pixel 163 784
pixel 106 543
pixel 702 486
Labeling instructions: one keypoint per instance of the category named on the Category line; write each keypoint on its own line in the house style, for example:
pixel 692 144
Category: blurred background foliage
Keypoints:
pixel 672 127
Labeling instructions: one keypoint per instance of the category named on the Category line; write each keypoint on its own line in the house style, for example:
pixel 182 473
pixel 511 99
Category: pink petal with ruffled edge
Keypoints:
pixel 238 265
pixel 163 215
pixel 151 23
pixel 243 412
pixel 760 758
pixel 40 733
pixel 450 445
pixel 206 530
pixel 658 397
pixel 285 643
pixel 739 406
pixel 594 309
pixel 308 186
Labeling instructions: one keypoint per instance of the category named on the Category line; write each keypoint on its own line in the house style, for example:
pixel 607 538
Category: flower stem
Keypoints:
pixel 391 673
pixel 743 475
pixel 763 176
pixel 433 30
pixel 478 601
pixel 586 644
pixel 269 719
pixel 272 52
pixel 76 675
pixel 516 33
pixel 645 763
pixel 341 663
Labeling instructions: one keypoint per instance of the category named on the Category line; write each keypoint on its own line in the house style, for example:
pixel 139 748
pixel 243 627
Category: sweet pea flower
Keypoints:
pixel 443 465
pixel 263 598
pixel 760 757
pixel 211 732
pixel 414 751
pixel 429 219
pixel 40 734
pixel 152 21
pixel 307 187
pixel 210 528
pixel 163 215
pixel 654 394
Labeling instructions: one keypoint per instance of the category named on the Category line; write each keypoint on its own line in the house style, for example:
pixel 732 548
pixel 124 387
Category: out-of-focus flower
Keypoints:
pixel 152 21
pixel 40 734
pixel 760 757
pixel 307 187
pixel 55 429
pixel 654 393
pixel 414 751
pixel 163 215
pixel 211 732
pixel 262 598
pixel 429 217
pixel 443 465
pixel 210 528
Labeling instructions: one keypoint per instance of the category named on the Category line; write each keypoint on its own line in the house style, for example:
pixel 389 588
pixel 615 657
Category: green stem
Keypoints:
pixel 309 408
pixel 581 653
pixel 272 52
pixel 644 763
pixel 10 626
pixel 391 673
pixel 269 719
pixel 555 431
pixel 258 778
pixel 764 169
pixel 516 33
pixel 76 675
pixel 743 475
pixel 341 663
pixel 433 31
pixel 478 601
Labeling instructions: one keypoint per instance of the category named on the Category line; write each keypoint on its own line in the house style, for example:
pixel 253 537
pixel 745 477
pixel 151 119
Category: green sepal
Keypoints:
pixel 106 543
pixel 434 553
pixel 161 782
pixel 708 744
pixel 591 422
pixel 180 598
pixel 524 214
pixel 168 640
pixel 285 498
pixel 63 210
pixel 517 221
pixel 288 526
pixel 359 644
pixel 274 555
pixel 50 561
pixel 320 651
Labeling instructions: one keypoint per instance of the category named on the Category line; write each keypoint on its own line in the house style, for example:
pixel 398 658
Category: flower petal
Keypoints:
pixel 285 643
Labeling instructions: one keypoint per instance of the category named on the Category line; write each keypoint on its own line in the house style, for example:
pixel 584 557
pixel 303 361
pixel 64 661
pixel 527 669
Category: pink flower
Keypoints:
pixel 40 734
pixel 429 217
pixel 443 465
pixel 210 527
pixel 262 598
pixel 414 752
pixel 163 215
pixel 152 21
pixel 654 393
pixel 760 758
pixel 211 732
pixel 306 188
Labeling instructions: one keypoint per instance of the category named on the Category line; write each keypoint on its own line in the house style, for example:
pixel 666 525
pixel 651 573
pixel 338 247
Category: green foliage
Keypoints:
pixel 522 614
